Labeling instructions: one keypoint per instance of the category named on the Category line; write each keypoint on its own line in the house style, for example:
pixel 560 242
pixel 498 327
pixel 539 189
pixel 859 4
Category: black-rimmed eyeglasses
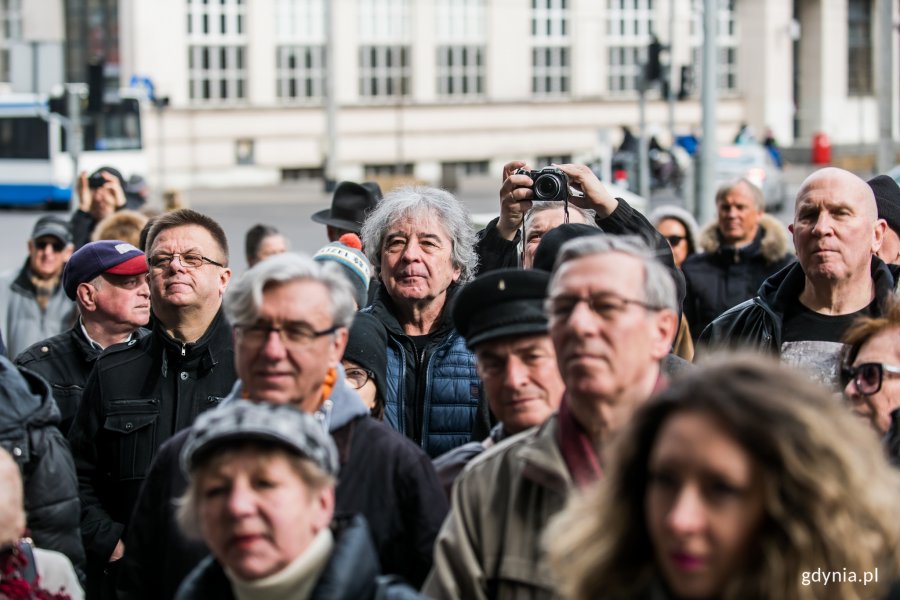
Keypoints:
pixel 867 377
pixel 358 377
pixel 292 335
pixel 605 305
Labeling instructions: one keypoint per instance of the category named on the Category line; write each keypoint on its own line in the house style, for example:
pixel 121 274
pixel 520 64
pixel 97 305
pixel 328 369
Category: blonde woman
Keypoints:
pixel 742 480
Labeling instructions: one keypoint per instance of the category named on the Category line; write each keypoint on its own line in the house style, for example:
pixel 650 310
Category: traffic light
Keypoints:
pixel 687 82
pixel 653 68
pixel 58 104
pixel 95 87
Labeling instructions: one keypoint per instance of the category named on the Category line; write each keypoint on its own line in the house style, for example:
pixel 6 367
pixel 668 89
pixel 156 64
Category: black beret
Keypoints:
pixel 552 241
pixel 501 303
pixel 887 197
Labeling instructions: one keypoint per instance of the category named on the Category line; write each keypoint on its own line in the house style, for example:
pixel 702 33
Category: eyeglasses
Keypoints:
pixel 57 245
pixel 293 335
pixel 358 377
pixel 674 240
pixel 608 307
pixel 189 260
pixel 867 377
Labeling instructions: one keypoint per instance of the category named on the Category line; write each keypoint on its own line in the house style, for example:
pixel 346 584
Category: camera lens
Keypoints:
pixel 546 187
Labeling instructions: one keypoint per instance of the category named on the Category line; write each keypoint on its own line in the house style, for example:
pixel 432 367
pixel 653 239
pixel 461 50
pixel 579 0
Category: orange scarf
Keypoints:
pixel 327 387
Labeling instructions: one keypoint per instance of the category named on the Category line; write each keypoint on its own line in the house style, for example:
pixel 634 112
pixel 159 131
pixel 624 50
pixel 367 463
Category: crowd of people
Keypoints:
pixel 576 401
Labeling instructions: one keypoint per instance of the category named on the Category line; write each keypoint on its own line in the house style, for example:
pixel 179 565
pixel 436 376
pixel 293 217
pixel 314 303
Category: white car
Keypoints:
pixel 754 163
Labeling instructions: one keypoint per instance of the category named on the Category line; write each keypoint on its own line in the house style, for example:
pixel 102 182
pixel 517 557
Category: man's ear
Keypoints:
pixel 224 278
pixel 86 294
pixel 878 232
pixel 665 330
pixel 338 345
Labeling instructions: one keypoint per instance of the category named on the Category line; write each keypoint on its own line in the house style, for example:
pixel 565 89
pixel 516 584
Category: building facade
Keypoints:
pixel 440 88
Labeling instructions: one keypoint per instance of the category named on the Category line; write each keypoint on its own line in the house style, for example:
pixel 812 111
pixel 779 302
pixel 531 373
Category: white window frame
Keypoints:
pixel 461 49
pixel 629 24
pixel 384 27
pixel 551 52
pixel 727 38
pixel 300 35
pixel 217 32
pixel 11 21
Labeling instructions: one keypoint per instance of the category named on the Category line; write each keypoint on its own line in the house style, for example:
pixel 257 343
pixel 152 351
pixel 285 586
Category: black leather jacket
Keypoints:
pixel 65 361
pixel 136 398
pixel 757 322
pixel 28 419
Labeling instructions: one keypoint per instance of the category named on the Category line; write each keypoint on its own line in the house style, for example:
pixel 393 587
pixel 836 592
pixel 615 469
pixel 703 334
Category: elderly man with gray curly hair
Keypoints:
pixel 422 244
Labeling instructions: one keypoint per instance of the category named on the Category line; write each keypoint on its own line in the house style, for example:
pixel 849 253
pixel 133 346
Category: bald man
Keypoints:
pixel 802 312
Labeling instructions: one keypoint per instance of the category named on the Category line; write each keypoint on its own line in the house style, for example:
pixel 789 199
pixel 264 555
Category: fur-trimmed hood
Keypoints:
pixel 773 246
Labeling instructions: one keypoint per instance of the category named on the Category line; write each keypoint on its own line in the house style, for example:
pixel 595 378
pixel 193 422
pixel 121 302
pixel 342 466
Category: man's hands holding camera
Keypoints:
pixel 517 193
pixel 101 194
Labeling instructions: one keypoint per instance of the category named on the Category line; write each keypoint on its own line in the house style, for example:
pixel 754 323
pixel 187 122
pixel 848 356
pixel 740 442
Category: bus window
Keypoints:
pixel 25 138
pixel 118 127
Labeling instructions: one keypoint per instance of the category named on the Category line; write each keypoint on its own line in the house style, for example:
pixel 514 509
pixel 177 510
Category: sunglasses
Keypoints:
pixel 674 240
pixel 57 245
pixel 867 377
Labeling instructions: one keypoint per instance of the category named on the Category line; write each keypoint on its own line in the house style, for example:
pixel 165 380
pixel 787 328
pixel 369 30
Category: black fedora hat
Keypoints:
pixel 349 205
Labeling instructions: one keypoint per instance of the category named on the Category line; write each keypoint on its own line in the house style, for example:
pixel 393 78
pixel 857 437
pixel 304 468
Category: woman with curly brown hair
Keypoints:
pixel 741 480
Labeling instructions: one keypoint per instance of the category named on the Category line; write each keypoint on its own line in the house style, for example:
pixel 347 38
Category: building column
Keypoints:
pixel 765 65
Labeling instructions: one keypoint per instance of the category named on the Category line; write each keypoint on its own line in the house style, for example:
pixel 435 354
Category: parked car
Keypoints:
pixel 753 162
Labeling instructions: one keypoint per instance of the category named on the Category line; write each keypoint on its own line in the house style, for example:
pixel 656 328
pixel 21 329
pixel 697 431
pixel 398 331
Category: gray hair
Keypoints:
pixel 421 201
pixel 588 215
pixel 758 198
pixel 659 287
pixel 244 298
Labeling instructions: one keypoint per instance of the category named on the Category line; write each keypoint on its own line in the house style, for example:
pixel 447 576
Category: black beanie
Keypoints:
pixel 367 347
pixel 552 241
pixel 887 197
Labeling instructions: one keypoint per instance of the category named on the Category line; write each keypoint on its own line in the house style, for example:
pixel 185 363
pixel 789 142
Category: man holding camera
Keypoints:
pixel 99 196
pixel 581 193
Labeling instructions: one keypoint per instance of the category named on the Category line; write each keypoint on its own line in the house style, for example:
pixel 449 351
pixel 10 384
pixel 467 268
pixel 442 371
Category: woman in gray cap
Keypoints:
pixel 261 495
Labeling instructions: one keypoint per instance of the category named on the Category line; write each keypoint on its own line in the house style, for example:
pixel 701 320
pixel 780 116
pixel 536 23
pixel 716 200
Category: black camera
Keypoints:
pixel 96 180
pixel 549 183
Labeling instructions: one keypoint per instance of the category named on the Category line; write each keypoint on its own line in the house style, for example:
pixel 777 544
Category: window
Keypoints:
pixel 217 50
pixel 24 138
pixel 300 71
pixel 546 161
pixel 10 31
pixel 550 54
pixel 384 51
pixel 727 36
pixel 460 70
pixel 244 151
pixel 460 52
pixel 466 168
pixel 373 171
pixel 383 71
pixel 859 47
pixel 300 56
pixel 628 28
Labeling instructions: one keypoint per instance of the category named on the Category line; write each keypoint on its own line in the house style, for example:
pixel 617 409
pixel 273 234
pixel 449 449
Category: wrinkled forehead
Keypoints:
pixel 834 188
pixel 418 223
pixel 183 238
